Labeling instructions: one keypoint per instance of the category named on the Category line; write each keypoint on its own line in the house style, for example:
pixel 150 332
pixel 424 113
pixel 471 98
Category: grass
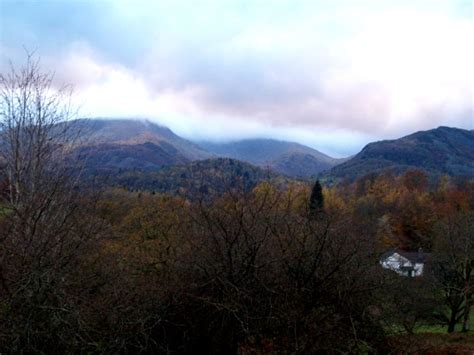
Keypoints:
pixel 437 329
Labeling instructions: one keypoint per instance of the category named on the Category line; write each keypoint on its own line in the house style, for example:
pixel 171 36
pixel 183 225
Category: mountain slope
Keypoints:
pixel 95 132
pixel 288 158
pixel 127 143
pixel 205 177
pixel 443 150
pixel 147 156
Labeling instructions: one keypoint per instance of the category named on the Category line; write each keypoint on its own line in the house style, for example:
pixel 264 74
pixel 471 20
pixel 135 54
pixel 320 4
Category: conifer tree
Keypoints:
pixel 316 201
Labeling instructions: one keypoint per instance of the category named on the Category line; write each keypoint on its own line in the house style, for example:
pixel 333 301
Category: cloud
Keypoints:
pixel 375 69
pixel 383 70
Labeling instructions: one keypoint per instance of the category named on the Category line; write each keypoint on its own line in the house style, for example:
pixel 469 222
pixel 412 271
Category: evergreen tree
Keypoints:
pixel 316 201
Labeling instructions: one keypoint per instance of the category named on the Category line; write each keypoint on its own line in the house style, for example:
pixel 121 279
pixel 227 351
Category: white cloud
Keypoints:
pixel 374 69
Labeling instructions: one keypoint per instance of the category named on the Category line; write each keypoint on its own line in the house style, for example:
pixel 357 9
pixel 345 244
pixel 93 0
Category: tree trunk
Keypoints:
pixel 452 320
pixel 467 310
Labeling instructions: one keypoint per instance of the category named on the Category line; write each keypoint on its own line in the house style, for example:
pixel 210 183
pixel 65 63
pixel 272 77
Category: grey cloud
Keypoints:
pixel 273 90
pixel 284 80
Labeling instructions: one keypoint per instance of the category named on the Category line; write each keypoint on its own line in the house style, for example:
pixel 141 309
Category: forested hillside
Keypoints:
pixel 131 132
pixel 141 144
pixel 287 158
pixel 439 151
pixel 204 178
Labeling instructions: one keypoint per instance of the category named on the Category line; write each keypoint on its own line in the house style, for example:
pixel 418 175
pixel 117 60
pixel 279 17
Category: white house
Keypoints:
pixel 404 263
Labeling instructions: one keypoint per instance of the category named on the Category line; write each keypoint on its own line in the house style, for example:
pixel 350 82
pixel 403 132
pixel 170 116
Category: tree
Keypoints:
pixel 316 201
pixel 263 276
pixel 415 180
pixel 45 225
pixel 453 266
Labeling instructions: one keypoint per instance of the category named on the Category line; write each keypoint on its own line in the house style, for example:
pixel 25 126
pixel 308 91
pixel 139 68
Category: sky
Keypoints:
pixel 334 75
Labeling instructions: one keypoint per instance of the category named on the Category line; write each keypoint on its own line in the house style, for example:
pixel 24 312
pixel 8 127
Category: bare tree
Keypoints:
pixel 452 266
pixel 43 227
pixel 264 273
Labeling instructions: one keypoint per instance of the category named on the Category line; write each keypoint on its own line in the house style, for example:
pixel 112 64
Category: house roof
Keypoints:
pixel 414 257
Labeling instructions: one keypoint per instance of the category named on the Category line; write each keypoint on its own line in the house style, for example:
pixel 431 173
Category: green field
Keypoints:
pixel 436 328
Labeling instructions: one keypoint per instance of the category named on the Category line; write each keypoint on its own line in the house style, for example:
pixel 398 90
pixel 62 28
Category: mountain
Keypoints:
pixel 147 156
pixel 129 132
pixel 288 158
pixel 439 151
pixel 104 144
pixel 129 144
pixel 108 144
pixel 141 155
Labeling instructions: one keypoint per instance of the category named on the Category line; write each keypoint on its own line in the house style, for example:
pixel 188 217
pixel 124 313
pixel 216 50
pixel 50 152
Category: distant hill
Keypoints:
pixel 146 156
pixel 141 155
pixel 443 150
pixel 199 178
pixel 105 144
pixel 129 132
pixel 108 144
pixel 288 158
pixel 141 144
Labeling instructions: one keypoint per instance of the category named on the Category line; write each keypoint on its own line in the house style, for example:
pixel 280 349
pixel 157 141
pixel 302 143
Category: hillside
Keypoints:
pixel 129 132
pixel 147 156
pixel 288 158
pixel 443 150
pixel 140 144
pixel 206 177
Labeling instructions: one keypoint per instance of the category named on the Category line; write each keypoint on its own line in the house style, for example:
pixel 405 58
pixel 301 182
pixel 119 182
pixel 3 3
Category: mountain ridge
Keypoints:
pixel 442 150
pixel 145 144
pixel 123 131
pixel 141 144
pixel 287 158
